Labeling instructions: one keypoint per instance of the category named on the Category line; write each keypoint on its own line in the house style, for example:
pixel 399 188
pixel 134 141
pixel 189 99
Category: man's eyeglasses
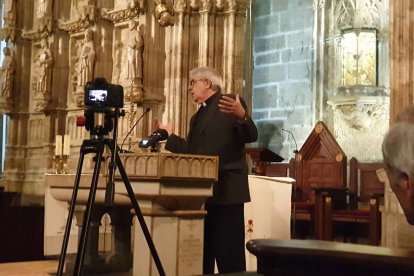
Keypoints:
pixel 192 82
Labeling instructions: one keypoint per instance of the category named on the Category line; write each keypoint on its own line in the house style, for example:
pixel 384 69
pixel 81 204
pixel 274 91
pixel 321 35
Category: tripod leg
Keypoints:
pixel 139 215
pixel 70 215
pixel 86 220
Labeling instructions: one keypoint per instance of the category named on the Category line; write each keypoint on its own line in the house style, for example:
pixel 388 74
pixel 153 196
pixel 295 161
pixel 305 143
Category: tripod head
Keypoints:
pixel 102 102
pixel 100 122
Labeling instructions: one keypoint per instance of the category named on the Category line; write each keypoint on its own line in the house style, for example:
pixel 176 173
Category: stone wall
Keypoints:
pixel 282 74
pixel 299 72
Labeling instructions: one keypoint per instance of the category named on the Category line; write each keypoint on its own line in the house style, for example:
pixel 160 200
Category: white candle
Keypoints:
pixel 66 145
pixel 58 146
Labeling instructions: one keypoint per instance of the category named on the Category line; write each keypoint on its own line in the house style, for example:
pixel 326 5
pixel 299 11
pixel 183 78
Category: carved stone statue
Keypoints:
pixel 42 8
pixel 117 62
pixel 134 53
pixel 7 73
pixel 86 60
pixel 44 61
pixel 9 14
pixel 163 15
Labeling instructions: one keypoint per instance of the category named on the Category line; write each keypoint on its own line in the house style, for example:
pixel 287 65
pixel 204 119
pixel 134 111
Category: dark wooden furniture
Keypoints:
pixel 310 257
pixel 362 217
pixel 280 169
pixel 320 163
pixel 261 158
pixel 21 233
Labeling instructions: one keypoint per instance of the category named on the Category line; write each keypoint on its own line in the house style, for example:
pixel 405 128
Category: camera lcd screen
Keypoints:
pixel 98 95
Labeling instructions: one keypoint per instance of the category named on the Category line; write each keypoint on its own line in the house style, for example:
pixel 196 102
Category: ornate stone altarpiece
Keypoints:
pixel 148 46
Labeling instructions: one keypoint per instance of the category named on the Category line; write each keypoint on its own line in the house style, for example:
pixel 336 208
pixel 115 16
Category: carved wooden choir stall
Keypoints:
pixel 361 217
pixel 324 206
pixel 320 163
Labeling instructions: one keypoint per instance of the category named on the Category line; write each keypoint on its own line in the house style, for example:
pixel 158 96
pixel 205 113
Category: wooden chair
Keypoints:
pixel 362 217
pixel 320 163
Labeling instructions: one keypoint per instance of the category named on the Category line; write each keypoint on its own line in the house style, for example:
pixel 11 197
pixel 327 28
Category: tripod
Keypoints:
pixel 97 146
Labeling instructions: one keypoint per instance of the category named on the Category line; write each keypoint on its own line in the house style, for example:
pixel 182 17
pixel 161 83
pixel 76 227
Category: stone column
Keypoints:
pixel 121 254
pixel 92 262
pixel 402 63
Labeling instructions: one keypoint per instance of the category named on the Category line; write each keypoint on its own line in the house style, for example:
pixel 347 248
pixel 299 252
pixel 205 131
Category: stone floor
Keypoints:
pixel 38 268
pixel 49 267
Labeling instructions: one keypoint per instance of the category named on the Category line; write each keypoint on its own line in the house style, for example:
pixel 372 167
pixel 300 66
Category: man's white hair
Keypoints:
pixel 208 73
pixel 398 147
pixel 398 143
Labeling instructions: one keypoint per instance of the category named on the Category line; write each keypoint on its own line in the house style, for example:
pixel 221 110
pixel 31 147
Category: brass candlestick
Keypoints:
pixel 60 164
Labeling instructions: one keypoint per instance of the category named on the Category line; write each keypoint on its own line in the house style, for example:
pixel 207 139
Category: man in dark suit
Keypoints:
pixel 220 127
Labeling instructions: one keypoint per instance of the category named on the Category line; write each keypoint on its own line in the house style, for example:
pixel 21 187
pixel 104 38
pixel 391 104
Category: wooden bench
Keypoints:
pixel 310 257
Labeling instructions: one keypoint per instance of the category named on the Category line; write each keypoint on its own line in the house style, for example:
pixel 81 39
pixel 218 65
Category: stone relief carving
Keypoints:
pixel 359 124
pixel 117 57
pixel 194 5
pixel 318 4
pixel 37 35
pixel 85 62
pixel 42 8
pixel 36 130
pixel 206 5
pixel 134 53
pixel 7 73
pixel 363 116
pixel 163 14
pixel 133 72
pixel 43 18
pixel 82 17
pixel 44 64
pixel 220 5
pixel 233 6
pixel 8 31
pixel 44 61
pixel 358 13
pixel 83 23
pixel 180 5
pixel 9 15
pixel 132 10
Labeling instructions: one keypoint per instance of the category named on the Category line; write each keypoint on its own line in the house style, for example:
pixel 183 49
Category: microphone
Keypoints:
pixel 293 137
pixel 154 138
pixel 132 128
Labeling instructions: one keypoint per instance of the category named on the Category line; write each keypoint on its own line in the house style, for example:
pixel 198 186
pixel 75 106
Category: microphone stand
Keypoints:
pixel 132 128
pixel 294 184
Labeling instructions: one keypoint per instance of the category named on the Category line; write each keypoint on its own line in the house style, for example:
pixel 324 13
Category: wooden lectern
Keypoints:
pixel 261 157
pixel 171 189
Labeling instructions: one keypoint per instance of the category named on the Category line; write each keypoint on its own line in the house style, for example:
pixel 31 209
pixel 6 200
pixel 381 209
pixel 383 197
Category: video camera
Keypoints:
pixel 101 94
pixel 101 98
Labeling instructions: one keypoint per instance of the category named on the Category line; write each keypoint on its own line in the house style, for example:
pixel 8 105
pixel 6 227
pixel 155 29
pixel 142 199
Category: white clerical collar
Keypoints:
pixel 204 104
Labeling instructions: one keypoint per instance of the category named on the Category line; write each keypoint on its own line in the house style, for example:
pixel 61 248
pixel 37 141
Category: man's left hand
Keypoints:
pixel 232 106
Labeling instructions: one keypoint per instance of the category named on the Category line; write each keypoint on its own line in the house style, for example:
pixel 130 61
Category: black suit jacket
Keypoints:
pixel 223 135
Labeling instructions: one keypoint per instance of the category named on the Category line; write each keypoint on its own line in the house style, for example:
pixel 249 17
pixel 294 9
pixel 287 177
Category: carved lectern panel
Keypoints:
pixel 170 166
